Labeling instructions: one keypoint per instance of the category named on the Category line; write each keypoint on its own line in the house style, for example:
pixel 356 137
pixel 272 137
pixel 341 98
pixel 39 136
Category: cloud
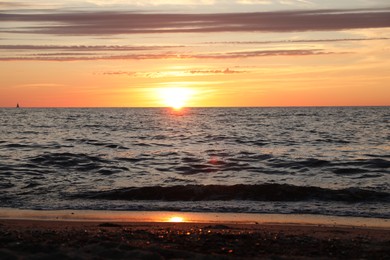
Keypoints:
pixel 85 47
pixel 11 5
pixel 166 55
pixel 268 2
pixel 225 71
pixel 153 2
pixel 172 73
pixel 38 85
pixel 254 2
pixel 299 41
pixel 154 74
pixel 31 5
pixel 145 3
pixel 129 73
pixel 113 23
pixel 294 2
pixel 261 53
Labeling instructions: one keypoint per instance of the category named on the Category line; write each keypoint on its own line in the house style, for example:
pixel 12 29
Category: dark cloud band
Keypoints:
pixel 111 23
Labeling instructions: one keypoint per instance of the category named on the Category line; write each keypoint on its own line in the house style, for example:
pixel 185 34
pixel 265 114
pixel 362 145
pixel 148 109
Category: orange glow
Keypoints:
pixel 333 80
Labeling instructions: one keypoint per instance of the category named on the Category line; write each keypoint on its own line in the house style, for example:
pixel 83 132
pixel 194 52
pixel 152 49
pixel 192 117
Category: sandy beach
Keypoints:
pixel 64 239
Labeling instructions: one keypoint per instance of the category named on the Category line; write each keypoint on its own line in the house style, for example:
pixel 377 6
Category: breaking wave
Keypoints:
pixel 260 192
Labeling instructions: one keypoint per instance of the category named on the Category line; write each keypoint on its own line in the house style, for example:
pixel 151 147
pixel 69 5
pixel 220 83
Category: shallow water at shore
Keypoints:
pixel 331 161
pixel 190 217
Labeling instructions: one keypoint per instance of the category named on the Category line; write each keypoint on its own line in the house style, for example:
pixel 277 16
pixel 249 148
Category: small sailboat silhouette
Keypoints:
pixel 17 105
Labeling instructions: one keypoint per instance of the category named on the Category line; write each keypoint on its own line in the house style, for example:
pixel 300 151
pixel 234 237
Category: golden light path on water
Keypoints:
pixel 176 219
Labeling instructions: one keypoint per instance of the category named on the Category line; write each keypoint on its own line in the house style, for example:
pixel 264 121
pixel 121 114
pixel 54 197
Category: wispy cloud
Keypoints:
pixel 111 23
pixel 173 73
pixel 115 73
pixel 268 2
pixel 153 2
pixel 149 3
pixel 7 5
pixel 254 2
pixel 165 55
pixel 259 53
pixel 84 47
pixel 294 2
pixel 225 71
pixel 38 85
pixel 31 5
pixel 298 41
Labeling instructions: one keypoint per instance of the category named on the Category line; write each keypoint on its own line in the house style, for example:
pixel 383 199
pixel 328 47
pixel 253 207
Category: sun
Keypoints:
pixel 175 97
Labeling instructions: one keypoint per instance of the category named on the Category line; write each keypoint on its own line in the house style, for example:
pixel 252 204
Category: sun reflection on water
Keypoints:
pixel 176 219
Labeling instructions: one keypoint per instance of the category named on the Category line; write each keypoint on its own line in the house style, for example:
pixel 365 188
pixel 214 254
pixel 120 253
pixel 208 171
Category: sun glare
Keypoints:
pixel 175 98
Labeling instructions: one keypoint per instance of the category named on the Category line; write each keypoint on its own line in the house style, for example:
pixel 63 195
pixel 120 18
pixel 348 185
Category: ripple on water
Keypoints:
pixel 72 150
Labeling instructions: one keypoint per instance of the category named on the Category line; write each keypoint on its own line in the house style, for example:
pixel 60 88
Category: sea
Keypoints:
pixel 288 160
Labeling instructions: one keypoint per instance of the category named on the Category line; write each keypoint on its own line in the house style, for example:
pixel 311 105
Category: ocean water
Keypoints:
pixel 331 160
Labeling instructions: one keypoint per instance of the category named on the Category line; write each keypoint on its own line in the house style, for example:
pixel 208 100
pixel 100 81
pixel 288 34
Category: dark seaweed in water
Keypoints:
pixel 262 192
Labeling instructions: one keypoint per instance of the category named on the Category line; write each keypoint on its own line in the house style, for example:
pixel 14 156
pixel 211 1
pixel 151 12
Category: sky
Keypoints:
pixel 207 53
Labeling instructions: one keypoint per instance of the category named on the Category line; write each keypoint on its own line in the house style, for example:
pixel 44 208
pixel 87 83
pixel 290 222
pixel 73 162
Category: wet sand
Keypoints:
pixel 48 239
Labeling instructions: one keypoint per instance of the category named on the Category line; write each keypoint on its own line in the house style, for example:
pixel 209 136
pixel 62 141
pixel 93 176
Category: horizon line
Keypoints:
pixel 167 107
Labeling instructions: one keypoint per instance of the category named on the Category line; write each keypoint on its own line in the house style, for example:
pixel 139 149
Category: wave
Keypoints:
pixel 259 192
pixel 79 162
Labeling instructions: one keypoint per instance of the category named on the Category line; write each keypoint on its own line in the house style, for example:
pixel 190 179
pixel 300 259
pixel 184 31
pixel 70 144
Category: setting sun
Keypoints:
pixel 175 97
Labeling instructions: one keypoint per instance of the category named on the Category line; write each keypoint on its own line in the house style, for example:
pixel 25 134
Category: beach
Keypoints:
pixel 33 238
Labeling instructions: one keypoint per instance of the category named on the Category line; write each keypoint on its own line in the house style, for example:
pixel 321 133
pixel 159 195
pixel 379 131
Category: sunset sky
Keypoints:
pixel 95 53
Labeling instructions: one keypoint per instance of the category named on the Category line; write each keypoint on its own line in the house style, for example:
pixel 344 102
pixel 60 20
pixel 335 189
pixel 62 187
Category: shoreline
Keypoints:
pixel 190 217
pixel 63 239
pixel 91 234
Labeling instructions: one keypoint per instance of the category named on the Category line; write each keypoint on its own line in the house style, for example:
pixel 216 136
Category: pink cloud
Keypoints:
pixel 165 55
pixel 111 23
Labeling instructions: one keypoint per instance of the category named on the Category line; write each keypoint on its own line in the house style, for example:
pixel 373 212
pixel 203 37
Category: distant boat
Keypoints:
pixel 17 105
